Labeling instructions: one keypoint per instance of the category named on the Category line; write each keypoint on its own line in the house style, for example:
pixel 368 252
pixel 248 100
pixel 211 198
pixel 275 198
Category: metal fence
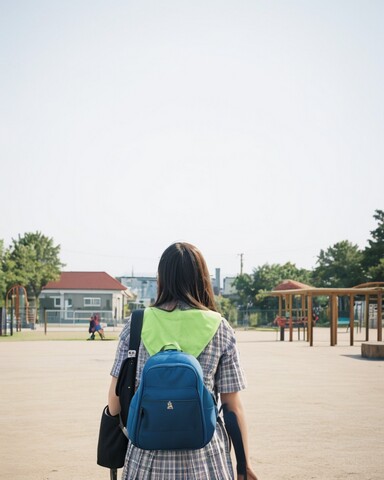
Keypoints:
pixel 81 318
pixel 255 317
pixel 12 320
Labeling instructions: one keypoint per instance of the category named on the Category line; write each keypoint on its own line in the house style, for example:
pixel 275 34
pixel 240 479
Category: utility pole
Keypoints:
pixel 241 255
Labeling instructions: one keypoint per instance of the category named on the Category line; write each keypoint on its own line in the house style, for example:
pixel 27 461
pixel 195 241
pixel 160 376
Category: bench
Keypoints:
pixel 344 322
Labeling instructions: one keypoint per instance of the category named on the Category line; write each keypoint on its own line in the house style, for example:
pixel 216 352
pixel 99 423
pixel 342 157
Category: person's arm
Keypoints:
pixel 234 417
pixel 113 399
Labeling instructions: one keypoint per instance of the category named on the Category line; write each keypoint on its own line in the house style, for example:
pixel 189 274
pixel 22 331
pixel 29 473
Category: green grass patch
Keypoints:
pixel 40 336
pixel 266 329
pixel 257 329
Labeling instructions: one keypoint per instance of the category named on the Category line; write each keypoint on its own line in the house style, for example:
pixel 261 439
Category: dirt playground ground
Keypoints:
pixel 313 413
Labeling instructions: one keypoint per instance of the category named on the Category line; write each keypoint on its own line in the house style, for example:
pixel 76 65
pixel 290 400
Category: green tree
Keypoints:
pixel 33 261
pixel 251 288
pixel 376 274
pixel 3 281
pixel 374 252
pixel 339 266
pixel 245 288
pixel 226 308
pixel 8 277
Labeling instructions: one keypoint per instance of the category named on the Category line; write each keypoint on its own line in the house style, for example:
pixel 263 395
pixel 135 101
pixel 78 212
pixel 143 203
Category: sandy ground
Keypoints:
pixel 313 413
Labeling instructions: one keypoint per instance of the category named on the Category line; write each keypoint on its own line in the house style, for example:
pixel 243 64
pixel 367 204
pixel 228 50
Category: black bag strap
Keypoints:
pixel 135 333
pixel 125 386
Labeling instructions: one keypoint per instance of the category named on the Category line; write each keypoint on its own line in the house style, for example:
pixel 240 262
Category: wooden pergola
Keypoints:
pixel 288 290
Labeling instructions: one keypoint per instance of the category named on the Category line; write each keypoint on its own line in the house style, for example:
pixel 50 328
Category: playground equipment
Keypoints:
pixel 298 321
pixel 370 294
pixel 15 311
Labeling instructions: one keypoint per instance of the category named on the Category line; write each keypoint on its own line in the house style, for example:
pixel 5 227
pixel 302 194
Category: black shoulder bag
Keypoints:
pixel 113 441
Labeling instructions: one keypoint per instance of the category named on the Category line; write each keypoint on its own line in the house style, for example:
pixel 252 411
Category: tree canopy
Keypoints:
pixel 32 261
pixel 265 278
pixel 3 280
pixel 339 266
pixel 374 253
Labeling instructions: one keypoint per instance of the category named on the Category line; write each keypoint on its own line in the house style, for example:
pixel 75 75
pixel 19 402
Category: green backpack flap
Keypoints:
pixel 191 330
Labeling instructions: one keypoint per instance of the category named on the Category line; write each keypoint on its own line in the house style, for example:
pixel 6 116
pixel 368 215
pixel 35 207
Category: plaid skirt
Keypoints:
pixel 213 462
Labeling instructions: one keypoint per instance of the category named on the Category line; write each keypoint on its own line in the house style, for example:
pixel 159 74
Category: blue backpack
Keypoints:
pixel 172 409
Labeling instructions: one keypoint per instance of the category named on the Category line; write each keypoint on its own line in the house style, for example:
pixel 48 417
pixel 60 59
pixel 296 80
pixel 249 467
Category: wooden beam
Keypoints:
pixel 327 291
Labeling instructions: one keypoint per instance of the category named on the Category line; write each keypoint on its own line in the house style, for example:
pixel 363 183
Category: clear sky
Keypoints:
pixel 242 126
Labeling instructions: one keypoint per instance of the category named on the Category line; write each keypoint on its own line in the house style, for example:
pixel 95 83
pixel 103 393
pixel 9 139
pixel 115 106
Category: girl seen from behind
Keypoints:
pixel 184 313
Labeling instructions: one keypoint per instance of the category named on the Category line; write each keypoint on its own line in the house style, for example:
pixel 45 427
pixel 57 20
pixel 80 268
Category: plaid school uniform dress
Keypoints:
pixel 222 373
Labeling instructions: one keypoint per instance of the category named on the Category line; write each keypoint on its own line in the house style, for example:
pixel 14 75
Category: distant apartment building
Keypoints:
pixel 216 282
pixel 229 290
pixel 143 288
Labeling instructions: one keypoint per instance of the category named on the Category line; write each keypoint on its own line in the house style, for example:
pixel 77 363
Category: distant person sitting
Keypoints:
pixel 95 326
pixel 280 321
pixel 91 329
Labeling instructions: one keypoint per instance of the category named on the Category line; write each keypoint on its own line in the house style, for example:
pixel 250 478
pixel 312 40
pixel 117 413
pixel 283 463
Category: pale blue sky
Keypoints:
pixel 250 127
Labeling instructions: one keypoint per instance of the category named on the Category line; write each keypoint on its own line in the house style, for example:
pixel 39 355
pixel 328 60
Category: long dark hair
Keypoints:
pixel 183 277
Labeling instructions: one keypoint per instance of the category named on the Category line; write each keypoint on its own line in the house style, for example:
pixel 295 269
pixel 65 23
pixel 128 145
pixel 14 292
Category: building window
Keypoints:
pixel 56 302
pixel 92 302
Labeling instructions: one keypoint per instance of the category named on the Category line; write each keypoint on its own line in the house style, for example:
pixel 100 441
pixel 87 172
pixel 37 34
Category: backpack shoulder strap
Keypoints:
pixel 135 333
pixel 125 386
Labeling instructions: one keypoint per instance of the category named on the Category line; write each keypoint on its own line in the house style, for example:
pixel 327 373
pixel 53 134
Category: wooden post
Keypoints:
pixel 290 319
pixel 330 300
pixel 310 314
pixel 280 305
pixel 333 320
pixel 336 316
pixel 351 319
pixel 45 320
pixel 17 310
pixel 366 317
pixel 379 317
pixel 305 337
pixel 11 325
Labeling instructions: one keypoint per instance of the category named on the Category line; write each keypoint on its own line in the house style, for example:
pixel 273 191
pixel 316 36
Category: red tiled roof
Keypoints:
pixel 291 285
pixel 85 281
